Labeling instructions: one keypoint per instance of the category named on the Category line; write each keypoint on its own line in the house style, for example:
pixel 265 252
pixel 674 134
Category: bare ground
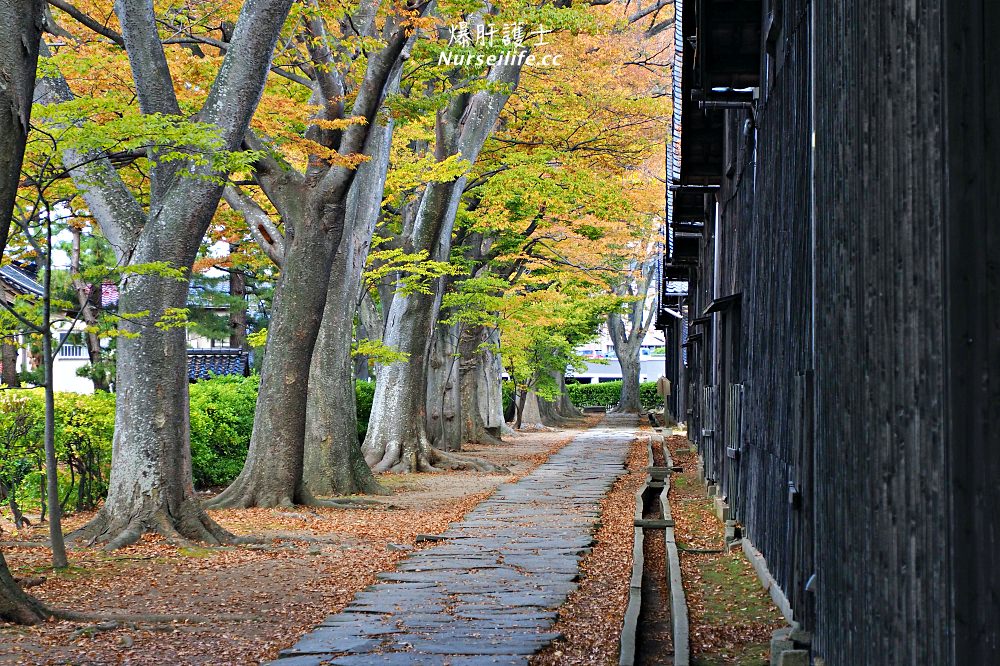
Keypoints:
pixel 245 603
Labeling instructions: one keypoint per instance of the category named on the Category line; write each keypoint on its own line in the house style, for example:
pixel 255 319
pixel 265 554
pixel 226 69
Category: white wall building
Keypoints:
pixel 602 363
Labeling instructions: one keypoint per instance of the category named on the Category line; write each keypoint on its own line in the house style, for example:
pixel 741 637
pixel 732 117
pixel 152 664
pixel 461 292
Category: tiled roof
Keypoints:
pixel 20 281
pixel 203 363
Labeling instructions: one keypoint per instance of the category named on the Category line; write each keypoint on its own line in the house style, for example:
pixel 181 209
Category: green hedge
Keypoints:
pixel 608 393
pixel 364 395
pixel 507 396
pixel 222 411
pixel 221 422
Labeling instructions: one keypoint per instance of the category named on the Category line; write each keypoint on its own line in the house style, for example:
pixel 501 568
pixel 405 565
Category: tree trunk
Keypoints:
pixel 272 474
pixel 56 541
pixel 628 358
pixel 94 353
pixel 491 389
pixel 519 401
pixel 237 309
pixel 86 294
pixel 397 437
pixel 478 389
pixel 8 364
pixel 15 605
pixel 628 342
pixel 565 406
pixel 151 487
pixel 333 462
pixel 538 411
pixel 370 327
pixel 21 31
pixel 444 400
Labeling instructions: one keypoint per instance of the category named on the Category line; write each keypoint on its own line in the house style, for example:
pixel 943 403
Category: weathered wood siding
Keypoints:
pixel 897 143
pixel 847 403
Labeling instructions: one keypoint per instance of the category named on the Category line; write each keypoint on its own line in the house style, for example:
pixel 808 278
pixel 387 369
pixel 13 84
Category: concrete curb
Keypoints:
pixel 630 623
pixel 767 580
pixel 678 602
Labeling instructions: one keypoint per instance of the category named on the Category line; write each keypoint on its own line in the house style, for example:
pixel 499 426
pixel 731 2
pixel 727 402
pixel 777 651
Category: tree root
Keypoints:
pixel 431 459
pixel 190 526
pixel 27 583
pixel 110 621
pixel 242 495
pixel 445 460
pixel 484 438
pixel 347 503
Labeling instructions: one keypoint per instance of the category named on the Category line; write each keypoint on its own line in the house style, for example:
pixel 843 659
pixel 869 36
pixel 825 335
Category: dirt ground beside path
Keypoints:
pixel 244 603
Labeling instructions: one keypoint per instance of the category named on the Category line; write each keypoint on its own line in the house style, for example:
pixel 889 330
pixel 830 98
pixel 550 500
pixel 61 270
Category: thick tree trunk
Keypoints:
pixel 538 411
pixel 397 437
pixel 628 342
pixel 151 487
pixel 628 358
pixel 478 390
pixel 564 406
pixel 272 474
pixel 444 402
pixel 333 462
pixel 491 389
pixel 8 365
pixel 20 32
pixel 15 605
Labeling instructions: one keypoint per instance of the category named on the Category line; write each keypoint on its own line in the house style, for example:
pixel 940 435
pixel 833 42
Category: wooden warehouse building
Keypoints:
pixel 833 246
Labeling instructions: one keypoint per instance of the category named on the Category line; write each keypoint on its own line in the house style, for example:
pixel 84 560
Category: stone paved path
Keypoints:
pixel 489 594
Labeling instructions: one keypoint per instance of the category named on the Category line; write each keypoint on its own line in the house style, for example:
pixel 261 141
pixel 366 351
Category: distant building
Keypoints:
pixel 602 363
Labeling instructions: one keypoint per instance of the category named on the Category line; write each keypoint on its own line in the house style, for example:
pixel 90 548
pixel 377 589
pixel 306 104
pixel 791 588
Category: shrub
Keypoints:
pixel 507 395
pixel 221 423
pixel 85 426
pixel 648 396
pixel 83 432
pixel 364 395
pixel 607 394
pixel 222 411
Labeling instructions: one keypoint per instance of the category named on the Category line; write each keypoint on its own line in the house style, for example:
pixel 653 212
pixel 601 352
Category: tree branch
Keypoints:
pixel 88 21
pixel 150 72
pixel 649 10
pixel 119 215
pixel 263 229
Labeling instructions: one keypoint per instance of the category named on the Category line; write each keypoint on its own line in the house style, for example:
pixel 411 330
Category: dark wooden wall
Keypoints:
pixel 856 374
pixel 972 336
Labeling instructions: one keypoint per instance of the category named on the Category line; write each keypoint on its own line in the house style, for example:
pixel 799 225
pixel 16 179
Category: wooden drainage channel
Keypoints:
pixel 657 477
